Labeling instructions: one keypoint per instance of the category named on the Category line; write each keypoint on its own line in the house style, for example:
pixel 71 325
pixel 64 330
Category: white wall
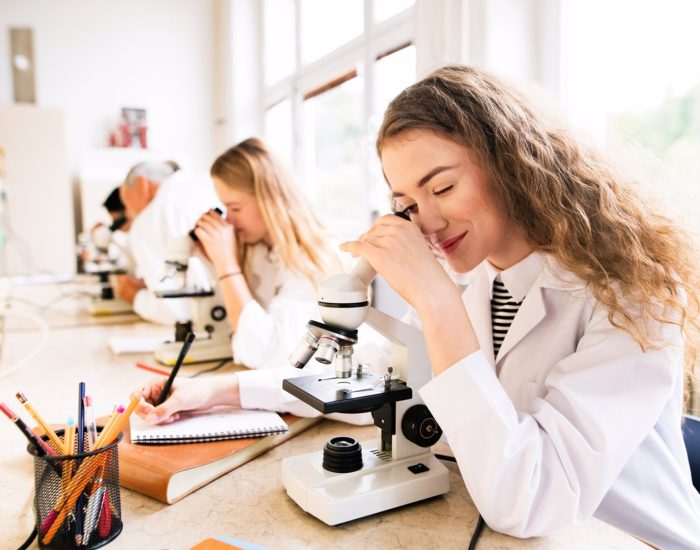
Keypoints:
pixel 92 58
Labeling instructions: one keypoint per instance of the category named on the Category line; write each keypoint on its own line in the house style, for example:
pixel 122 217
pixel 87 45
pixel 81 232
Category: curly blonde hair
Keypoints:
pixel 569 200
pixel 298 236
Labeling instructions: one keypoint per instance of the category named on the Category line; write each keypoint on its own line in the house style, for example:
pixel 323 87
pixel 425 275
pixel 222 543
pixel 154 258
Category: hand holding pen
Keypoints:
pixel 180 359
pixel 153 407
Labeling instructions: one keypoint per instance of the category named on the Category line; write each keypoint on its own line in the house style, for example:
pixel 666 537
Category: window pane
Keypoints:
pixel 278 130
pixel 334 177
pixel 279 43
pixel 327 25
pixel 636 87
pixel 384 9
pixel 392 74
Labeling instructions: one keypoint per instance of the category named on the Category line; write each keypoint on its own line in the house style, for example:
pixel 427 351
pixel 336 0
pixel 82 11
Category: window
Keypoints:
pixel 279 39
pixel 324 110
pixel 636 87
pixel 327 25
pixel 278 129
pixel 333 125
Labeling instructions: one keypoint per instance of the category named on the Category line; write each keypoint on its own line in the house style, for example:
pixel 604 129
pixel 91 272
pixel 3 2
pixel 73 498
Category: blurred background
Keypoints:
pixel 89 88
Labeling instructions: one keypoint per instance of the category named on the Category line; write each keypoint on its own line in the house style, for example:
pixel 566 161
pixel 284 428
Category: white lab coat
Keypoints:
pixel 179 202
pixel 269 329
pixel 571 420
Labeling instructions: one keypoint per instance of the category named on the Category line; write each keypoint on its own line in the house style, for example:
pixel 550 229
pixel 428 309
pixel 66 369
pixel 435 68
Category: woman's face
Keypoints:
pixel 243 212
pixel 446 193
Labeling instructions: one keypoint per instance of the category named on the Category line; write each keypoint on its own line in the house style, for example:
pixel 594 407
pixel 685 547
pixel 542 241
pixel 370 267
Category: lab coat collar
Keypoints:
pixel 518 278
pixel 525 281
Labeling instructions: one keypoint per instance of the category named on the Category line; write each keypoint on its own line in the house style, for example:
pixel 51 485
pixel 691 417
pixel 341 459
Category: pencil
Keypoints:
pixel 173 373
pixel 43 448
pixel 40 421
pixel 144 366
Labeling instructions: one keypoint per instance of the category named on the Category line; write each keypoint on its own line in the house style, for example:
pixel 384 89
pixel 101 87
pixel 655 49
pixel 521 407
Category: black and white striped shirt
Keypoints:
pixel 503 310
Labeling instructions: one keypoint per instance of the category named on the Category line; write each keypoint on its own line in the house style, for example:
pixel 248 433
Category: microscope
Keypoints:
pixel 189 280
pixel 101 257
pixel 349 480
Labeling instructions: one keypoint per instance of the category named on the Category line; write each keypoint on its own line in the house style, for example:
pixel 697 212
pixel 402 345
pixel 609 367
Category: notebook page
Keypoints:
pixel 217 424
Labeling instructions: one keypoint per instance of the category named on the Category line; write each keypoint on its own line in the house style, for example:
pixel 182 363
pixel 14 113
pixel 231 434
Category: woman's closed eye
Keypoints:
pixel 411 209
pixel 443 190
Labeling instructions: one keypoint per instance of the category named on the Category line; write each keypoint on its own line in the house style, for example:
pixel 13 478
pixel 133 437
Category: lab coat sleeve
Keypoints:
pixel 266 338
pixel 531 473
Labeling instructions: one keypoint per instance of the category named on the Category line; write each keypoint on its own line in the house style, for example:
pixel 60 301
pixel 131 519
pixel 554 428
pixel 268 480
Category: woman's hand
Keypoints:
pixel 218 242
pixel 398 250
pixel 186 395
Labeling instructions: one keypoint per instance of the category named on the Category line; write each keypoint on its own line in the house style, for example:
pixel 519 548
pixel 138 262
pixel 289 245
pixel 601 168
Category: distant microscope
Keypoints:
pixel 100 256
pixel 349 480
pixel 189 281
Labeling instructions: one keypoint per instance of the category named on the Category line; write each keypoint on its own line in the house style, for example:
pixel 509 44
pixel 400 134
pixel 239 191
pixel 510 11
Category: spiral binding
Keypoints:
pixel 206 437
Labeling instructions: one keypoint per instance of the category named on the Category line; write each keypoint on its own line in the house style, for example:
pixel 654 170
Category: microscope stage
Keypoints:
pixel 329 394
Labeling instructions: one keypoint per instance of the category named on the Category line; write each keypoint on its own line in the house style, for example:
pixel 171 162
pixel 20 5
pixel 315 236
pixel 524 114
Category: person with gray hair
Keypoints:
pixel 162 203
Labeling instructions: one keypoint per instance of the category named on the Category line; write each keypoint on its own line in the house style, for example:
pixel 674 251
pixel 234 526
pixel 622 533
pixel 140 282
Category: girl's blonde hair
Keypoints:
pixel 569 201
pixel 297 235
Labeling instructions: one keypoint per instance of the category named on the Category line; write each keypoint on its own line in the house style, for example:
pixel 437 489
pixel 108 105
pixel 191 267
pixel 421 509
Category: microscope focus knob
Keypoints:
pixel 419 426
pixel 218 313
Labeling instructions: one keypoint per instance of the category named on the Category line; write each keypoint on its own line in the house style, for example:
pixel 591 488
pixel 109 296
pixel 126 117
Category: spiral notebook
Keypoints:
pixel 215 425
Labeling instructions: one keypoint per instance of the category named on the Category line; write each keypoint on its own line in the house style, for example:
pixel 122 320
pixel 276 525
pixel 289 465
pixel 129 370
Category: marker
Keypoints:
pixel 41 446
pixel 180 358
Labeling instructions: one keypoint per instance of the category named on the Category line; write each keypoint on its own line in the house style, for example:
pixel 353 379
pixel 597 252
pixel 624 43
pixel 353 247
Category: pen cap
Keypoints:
pixel 65 483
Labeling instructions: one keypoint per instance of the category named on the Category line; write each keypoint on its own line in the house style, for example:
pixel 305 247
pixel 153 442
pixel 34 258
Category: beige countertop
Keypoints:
pixel 250 502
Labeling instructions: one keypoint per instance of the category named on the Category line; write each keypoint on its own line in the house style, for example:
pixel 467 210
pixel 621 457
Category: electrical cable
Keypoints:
pixel 216 367
pixel 480 522
pixel 43 326
pixel 29 540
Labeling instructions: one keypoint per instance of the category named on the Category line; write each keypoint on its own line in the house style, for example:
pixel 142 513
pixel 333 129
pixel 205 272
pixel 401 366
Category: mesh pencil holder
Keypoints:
pixel 77 501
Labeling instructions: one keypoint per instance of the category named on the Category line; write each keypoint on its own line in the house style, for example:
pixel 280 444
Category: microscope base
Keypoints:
pixel 201 351
pixel 115 306
pixel 381 484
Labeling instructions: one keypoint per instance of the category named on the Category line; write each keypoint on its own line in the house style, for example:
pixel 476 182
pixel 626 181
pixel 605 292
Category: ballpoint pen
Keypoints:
pixel 81 448
pixel 173 373
pixel 91 511
pixel 91 426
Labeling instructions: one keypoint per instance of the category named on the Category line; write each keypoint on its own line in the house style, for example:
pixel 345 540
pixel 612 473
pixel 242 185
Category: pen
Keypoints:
pixel 40 421
pixel 93 508
pixel 81 449
pixel 81 418
pixel 180 358
pixel 92 427
pixel 42 447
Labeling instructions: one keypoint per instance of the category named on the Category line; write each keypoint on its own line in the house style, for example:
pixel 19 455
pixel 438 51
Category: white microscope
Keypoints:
pixel 347 480
pixel 189 280
pixel 100 256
